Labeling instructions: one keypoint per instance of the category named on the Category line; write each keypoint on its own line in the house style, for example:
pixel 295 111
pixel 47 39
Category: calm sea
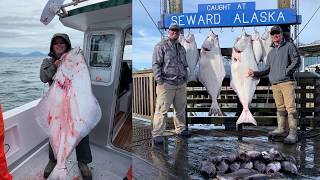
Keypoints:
pixel 19 81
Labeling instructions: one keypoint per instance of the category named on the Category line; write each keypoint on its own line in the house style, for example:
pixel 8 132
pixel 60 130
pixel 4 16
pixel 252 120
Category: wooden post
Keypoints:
pixel 317 102
pixel 303 106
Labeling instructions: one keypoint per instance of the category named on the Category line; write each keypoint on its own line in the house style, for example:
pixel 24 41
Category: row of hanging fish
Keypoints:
pixel 208 68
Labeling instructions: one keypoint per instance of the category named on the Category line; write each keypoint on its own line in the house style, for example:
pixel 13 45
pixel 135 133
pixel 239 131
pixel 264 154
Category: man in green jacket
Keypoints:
pixel 60 44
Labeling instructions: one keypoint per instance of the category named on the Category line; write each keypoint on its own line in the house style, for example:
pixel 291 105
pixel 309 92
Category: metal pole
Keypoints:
pixel 295 28
pixel 176 6
pixel 285 28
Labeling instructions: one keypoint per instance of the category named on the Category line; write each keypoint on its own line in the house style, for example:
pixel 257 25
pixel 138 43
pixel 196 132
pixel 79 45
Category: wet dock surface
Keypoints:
pixel 180 158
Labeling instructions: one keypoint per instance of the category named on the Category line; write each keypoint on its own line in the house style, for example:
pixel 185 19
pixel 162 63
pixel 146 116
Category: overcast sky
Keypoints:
pixel 145 35
pixel 21 29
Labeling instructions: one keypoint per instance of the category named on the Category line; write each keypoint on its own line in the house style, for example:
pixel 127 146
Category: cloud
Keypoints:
pixel 20 27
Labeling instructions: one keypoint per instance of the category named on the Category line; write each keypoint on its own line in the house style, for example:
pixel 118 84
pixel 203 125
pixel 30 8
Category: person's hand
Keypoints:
pixel 57 62
pixel 250 72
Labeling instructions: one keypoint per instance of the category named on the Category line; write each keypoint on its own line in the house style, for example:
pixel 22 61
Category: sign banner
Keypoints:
pixel 233 18
pixel 226 6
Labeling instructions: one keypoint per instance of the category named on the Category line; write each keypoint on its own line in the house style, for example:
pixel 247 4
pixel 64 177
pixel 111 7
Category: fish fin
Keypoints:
pixel 257 81
pixel 233 86
pixel 246 117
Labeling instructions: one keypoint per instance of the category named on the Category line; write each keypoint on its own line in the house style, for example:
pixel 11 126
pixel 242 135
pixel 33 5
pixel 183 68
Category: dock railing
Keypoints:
pixel 262 107
pixel 144 94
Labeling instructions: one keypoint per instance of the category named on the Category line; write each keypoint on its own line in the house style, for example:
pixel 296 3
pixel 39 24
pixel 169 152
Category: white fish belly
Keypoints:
pixel 69 110
pixel 243 85
pixel 211 75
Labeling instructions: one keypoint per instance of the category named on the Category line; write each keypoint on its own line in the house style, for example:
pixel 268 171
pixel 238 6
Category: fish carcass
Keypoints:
pixel 69 110
pixel 211 70
pixel 266 45
pixel 243 59
pixel 192 54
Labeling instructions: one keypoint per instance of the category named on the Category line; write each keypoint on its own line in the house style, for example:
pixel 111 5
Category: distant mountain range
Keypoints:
pixel 32 54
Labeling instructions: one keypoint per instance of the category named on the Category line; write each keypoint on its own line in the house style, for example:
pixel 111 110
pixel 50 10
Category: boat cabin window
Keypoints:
pixel 102 48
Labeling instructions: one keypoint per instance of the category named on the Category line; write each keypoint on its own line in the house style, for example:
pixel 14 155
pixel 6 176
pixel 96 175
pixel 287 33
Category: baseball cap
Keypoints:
pixel 174 26
pixel 275 30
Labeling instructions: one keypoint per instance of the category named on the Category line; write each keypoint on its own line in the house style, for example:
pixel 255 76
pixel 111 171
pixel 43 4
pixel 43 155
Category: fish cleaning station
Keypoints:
pixel 215 130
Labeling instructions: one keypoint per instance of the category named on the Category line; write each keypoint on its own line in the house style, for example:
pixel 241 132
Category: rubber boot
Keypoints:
pixel 280 130
pixel 49 168
pixel 85 171
pixel 292 137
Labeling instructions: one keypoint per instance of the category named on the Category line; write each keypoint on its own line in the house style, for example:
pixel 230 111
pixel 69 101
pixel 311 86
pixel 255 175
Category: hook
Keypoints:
pixel 189 31
pixel 255 29
pixel 244 31
pixel 199 31
pixel 221 30
pixel 232 29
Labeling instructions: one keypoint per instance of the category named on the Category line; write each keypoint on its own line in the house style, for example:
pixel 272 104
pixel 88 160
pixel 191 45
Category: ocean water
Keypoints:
pixel 19 81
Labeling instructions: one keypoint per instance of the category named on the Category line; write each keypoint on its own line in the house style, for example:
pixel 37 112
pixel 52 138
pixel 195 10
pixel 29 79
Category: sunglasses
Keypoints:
pixel 56 43
pixel 274 32
pixel 175 30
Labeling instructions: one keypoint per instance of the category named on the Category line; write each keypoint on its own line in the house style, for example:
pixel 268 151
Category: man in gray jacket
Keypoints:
pixel 169 67
pixel 282 61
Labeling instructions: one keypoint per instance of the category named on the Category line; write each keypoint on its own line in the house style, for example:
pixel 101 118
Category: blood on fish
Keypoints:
pixel 49 118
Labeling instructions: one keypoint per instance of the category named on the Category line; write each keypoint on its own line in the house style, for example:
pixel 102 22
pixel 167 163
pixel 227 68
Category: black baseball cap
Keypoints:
pixel 174 27
pixel 275 30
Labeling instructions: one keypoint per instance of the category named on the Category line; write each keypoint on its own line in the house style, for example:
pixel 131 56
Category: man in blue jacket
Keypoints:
pixel 282 61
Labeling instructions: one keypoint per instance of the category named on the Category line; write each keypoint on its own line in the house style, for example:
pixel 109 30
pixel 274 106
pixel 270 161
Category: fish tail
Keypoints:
pixel 246 117
pixel 59 173
pixel 215 109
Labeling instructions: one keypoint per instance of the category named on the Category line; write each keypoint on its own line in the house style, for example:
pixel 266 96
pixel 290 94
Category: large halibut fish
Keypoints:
pixel 242 59
pixel 192 54
pixel 69 110
pixel 211 70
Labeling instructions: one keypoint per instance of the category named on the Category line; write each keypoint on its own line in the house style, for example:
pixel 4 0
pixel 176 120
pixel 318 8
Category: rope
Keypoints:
pixel 307 23
pixel 150 17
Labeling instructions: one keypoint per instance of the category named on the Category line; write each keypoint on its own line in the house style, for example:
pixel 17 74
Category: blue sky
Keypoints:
pixel 21 30
pixel 145 34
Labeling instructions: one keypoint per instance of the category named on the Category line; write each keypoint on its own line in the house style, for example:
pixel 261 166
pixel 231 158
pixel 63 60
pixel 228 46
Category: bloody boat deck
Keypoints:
pixel 179 158
pixel 106 164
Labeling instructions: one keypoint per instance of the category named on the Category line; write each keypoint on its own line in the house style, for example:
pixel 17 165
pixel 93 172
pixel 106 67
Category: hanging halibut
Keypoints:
pixel 266 45
pixel 243 59
pixel 257 46
pixel 69 110
pixel 192 54
pixel 211 70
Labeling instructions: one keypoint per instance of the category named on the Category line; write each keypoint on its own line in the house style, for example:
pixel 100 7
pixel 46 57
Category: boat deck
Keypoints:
pixel 179 158
pixel 106 164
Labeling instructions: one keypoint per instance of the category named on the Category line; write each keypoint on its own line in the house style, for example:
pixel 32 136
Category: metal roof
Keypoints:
pixel 97 6
pixel 308 50
pixel 112 13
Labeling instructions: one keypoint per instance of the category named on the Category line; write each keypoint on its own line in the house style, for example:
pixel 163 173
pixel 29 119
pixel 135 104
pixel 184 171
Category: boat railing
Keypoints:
pixel 262 107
